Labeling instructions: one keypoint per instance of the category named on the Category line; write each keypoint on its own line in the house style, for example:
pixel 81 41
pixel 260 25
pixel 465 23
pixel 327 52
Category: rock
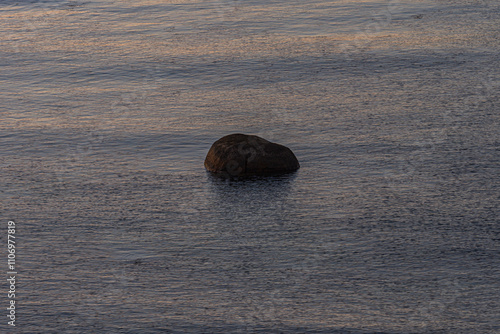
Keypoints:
pixel 244 155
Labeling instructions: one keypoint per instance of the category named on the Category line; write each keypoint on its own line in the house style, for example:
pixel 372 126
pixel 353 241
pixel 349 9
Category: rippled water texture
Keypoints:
pixel 390 226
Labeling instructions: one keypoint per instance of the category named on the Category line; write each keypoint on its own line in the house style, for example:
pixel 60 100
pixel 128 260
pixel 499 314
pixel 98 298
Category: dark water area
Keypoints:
pixel 391 225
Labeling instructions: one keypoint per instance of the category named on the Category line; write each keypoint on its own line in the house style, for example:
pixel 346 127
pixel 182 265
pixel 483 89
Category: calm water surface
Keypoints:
pixel 390 226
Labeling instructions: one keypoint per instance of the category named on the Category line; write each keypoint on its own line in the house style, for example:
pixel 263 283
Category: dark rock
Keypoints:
pixel 245 155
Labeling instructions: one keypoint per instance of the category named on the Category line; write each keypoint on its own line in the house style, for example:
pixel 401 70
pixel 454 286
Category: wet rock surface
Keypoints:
pixel 246 155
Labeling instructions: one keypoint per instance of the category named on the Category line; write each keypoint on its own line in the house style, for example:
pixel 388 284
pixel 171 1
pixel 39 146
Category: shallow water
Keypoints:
pixel 391 225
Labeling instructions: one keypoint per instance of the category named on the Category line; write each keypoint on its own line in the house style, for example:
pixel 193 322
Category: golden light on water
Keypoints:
pixel 109 109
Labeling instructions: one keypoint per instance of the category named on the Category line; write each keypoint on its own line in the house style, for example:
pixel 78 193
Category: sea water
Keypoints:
pixel 391 225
